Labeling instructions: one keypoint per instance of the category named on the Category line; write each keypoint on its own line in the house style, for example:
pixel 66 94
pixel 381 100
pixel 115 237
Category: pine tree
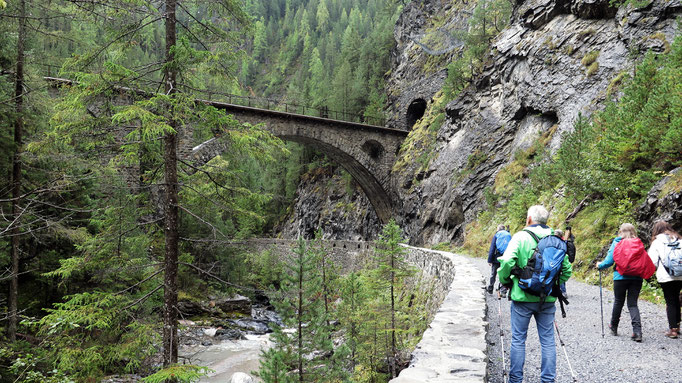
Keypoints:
pixel 392 269
pixel 303 311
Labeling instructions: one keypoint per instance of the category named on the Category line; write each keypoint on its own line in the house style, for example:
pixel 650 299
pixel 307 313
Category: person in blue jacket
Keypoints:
pixel 624 286
pixel 493 254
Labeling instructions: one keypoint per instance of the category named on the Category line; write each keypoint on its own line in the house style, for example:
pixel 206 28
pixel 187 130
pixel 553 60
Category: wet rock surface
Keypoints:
pixel 333 203
pixel 664 202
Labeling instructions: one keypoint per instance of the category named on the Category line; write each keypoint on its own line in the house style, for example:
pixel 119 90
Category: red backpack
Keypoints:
pixel 632 260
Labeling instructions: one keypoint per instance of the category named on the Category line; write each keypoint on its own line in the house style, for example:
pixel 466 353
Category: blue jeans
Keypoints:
pixel 544 318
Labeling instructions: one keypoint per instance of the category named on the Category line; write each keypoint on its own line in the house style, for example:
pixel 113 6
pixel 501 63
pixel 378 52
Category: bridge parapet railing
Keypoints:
pixel 262 103
pixel 289 107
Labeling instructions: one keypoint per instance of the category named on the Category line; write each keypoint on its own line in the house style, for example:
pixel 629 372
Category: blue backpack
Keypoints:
pixel 544 266
pixel 502 239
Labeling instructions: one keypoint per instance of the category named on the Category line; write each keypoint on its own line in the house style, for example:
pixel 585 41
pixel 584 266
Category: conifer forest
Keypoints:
pixel 117 243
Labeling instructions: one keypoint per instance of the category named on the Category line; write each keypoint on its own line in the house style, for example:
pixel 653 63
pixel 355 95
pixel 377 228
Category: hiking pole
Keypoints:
pixel 563 346
pixel 601 306
pixel 499 323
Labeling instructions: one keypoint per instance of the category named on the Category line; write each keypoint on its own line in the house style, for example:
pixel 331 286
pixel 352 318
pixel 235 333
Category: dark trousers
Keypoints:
pixel 671 293
pixel 631 289
pixel 493 275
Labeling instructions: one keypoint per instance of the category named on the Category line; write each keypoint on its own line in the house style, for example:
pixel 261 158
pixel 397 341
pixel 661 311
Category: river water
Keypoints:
pixel 228 356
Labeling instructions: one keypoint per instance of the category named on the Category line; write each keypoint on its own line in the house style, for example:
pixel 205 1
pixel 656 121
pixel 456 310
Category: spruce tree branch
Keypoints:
pixel 207 27
pixel 120 37
pixel 23 272
pixel 209 199
pixel 35 29
pixel 139 283
pixel 208 174
pixel 215 229
pixel 144 298
pixel 217 278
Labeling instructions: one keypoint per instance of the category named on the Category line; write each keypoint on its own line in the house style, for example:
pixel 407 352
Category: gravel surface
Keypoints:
pixel 593 358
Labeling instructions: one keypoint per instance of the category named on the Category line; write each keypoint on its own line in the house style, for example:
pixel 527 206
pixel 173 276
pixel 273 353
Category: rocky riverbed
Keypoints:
pixel 230 347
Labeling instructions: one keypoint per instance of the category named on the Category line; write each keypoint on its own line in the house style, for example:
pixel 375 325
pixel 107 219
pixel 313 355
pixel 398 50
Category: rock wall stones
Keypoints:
pixel 453 348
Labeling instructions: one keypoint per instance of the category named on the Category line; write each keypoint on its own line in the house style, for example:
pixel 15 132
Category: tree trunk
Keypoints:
pixel 299 315
pixel 16 173
pixel 170 296
pixel 393 342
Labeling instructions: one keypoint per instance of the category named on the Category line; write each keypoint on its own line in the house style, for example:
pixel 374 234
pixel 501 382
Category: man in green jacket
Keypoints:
pixel 525 305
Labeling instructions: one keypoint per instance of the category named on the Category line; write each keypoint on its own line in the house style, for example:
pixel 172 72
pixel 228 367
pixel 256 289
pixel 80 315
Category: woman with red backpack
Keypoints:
pixel 632 266
pixel 665 252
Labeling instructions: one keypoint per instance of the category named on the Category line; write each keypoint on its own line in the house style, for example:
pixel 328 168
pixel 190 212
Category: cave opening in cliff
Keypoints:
pixel 415 111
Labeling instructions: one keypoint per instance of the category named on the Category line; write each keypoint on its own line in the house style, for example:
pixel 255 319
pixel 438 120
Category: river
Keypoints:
pixel 228 356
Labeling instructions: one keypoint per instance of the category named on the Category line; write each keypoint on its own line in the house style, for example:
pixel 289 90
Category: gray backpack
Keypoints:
pixel 672 260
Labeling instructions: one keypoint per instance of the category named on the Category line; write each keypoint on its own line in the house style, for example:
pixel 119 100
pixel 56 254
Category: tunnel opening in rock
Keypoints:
pixel 415 111
pixel 373 149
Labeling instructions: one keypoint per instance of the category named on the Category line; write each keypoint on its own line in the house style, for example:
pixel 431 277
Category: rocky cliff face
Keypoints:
pixel 558 59
pixel 334 203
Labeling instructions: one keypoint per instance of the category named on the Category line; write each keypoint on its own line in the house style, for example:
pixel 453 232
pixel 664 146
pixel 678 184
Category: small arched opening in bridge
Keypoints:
pixel 415 111
pixel 373 149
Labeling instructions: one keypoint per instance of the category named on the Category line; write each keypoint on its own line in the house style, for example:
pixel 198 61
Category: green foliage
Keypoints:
pixel 185 373
pixel 24 364
pixel 88 336
pixel 593 68
pixel 308 278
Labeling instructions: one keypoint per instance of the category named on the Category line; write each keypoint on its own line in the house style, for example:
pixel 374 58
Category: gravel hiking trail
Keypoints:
pixel 613 359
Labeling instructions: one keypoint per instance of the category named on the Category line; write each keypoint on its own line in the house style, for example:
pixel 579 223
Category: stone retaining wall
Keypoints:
pixel 453 348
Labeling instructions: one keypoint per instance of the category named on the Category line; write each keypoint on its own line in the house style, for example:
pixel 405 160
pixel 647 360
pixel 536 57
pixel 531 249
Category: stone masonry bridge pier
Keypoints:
pixel 363 148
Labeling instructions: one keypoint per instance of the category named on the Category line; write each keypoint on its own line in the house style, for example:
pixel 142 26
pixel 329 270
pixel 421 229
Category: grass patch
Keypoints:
pixel 660 36
pixel 593 68
pixel 616 82
pixel 674 184
pixel 590 58
pixel 520 166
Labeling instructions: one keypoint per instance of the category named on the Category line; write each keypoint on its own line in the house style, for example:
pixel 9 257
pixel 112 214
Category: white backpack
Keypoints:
pixel 672 260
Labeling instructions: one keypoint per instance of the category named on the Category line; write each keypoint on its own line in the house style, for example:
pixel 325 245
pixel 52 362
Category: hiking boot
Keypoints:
pixel 614 330
pixel 637 337
pixel 673 333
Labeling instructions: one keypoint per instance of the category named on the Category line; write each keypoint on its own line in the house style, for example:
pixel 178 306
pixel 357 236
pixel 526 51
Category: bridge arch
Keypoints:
pixel 366 152
pixel 375 192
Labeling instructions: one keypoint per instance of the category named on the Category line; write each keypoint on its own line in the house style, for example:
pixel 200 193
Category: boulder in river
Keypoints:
pixel 237 304
pixel 240 377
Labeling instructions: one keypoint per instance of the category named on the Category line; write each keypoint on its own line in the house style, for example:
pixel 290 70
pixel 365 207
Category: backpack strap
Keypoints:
pixel 535 237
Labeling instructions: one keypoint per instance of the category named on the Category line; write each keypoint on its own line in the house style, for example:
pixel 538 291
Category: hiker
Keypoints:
pixel 525 304
pixel 570 250
pixel 497 247
pixel 624 284
pixel 665 248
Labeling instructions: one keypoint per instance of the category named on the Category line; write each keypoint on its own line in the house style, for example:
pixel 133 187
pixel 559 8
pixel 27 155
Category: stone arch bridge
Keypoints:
pixel 364 150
